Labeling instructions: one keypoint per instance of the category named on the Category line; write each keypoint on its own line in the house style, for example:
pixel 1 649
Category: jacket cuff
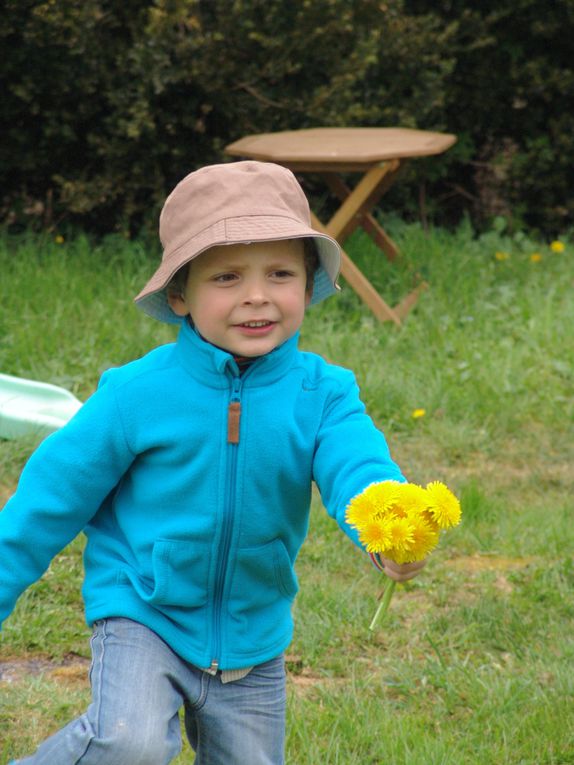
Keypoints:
pixel 376 561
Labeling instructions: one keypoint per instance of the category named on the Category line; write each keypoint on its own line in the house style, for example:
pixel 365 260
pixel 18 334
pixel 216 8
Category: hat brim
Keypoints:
pixel 153 301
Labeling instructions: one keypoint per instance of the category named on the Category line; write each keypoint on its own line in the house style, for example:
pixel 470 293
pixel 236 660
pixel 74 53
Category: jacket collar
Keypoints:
pixel 215 367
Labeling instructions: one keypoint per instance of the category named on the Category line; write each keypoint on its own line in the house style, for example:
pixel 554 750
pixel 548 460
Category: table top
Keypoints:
pixel 340 148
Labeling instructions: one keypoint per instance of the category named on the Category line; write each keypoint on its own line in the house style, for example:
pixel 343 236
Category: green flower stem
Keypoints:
pixel 384 604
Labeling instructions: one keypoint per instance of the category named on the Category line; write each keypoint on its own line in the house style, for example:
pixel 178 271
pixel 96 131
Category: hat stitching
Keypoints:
pixel 225 221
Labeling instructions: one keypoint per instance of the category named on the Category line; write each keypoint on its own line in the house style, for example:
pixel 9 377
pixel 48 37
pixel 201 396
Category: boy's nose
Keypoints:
pixel 255 293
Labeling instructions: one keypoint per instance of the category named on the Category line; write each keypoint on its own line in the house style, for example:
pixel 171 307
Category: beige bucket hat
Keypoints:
pixel 234 203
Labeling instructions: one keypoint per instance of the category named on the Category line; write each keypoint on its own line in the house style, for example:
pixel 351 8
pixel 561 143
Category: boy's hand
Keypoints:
pixel 402 572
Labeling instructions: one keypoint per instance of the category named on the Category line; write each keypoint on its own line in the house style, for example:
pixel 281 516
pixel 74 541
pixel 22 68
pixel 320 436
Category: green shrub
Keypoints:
pixel 107 105
pixel 510 100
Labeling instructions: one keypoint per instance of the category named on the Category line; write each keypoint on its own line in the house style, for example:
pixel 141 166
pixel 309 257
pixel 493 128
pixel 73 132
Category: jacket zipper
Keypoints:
pixel 233 422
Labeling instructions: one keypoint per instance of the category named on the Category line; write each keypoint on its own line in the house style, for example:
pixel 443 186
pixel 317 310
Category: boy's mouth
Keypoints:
pixel 256 328
pixel 256 324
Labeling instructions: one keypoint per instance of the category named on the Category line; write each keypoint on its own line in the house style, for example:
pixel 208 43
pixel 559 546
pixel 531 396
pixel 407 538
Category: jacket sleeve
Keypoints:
pixel 351 453
pixel 60 489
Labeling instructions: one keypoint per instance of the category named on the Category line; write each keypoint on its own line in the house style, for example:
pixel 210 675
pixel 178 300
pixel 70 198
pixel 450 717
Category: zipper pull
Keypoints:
pixel 213 667
pixel 233 419
pixel 234 414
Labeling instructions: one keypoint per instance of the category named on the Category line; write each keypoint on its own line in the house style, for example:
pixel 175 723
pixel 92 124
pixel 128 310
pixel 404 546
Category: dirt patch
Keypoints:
pixel 497 564
pixel 71 670
pixel 303 679
pixel 538 458
pixel 472 563
pixel 306 682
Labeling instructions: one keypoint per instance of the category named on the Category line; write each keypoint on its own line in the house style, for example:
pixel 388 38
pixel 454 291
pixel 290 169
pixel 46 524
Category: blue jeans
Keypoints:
pixel 138 687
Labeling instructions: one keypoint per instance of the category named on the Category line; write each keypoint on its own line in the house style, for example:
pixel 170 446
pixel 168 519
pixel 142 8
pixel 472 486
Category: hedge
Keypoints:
pixel 107 104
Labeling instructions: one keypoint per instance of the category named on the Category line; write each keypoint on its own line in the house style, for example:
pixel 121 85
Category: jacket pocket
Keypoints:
pixel 180 574
pixel 263 577
pixel 181 571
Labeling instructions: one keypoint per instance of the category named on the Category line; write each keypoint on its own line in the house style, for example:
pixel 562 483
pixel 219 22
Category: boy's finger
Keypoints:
pixel 402 571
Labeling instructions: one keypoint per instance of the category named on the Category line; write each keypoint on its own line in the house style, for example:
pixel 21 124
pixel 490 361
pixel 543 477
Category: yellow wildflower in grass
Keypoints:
pixel 401 521
pixel 536 257
pixel 501 256
pixel 557 246
pixel 59 239
pixel 418 413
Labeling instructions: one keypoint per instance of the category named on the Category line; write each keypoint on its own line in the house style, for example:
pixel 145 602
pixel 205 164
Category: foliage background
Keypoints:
pixel 106 105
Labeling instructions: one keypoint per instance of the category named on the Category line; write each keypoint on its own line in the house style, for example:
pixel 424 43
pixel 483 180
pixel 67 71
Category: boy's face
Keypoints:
pixel 246 298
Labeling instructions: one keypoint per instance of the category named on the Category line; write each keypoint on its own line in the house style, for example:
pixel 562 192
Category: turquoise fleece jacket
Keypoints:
pixel 192 485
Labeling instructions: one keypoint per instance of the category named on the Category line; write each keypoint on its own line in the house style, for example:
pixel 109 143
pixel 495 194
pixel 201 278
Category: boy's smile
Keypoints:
pixel 247 298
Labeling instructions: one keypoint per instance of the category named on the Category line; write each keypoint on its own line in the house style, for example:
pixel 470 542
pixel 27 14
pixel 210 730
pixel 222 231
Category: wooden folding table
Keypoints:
pixel 378 154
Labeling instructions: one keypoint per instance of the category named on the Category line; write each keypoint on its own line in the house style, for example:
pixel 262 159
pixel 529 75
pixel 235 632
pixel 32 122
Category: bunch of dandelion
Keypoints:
pixel 402 522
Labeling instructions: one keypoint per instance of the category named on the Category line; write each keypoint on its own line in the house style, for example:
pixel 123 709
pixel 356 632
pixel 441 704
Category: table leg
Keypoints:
pixel 409 301
pixel 382 239
pixel 354 212
pixel 363 217
pixel 360 201
pixel 359 282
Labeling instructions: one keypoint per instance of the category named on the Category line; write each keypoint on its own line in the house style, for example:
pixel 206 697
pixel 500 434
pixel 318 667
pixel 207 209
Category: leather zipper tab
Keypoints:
pixel 233 419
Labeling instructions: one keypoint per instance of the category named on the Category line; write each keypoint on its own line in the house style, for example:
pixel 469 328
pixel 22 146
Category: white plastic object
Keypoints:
pixel 28 407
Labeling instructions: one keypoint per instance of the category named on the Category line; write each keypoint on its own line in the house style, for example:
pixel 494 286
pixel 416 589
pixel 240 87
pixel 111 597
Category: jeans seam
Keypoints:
pixel 99 681
pixel 205 681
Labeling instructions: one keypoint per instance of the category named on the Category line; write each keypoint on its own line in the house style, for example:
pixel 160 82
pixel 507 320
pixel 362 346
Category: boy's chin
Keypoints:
pixel 254 347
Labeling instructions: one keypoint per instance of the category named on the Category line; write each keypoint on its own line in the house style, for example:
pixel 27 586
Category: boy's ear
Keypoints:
pixel 177 303
pixel 308 292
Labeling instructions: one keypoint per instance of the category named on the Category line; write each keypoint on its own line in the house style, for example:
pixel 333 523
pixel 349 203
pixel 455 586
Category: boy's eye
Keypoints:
pixel 282 273
pixel 222 278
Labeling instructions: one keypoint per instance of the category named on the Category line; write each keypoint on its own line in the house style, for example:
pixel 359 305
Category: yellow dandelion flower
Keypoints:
pixel 536 257
pixel 418 413
pixel 376 536
pixel 501 256
pixel 360 511
pixel 557 246
pixel 372 504
pixel 399 556
pixel 413 500
pixel 382 495
pixel 429 518
pixel 59 239
pixel 425 539
pixel 443 505
pixel 401 533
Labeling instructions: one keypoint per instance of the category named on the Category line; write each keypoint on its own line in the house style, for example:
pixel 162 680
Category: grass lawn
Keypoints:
pixel 473 665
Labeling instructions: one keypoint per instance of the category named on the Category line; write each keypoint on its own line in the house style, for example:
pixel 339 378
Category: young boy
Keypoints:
pixel 190 473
